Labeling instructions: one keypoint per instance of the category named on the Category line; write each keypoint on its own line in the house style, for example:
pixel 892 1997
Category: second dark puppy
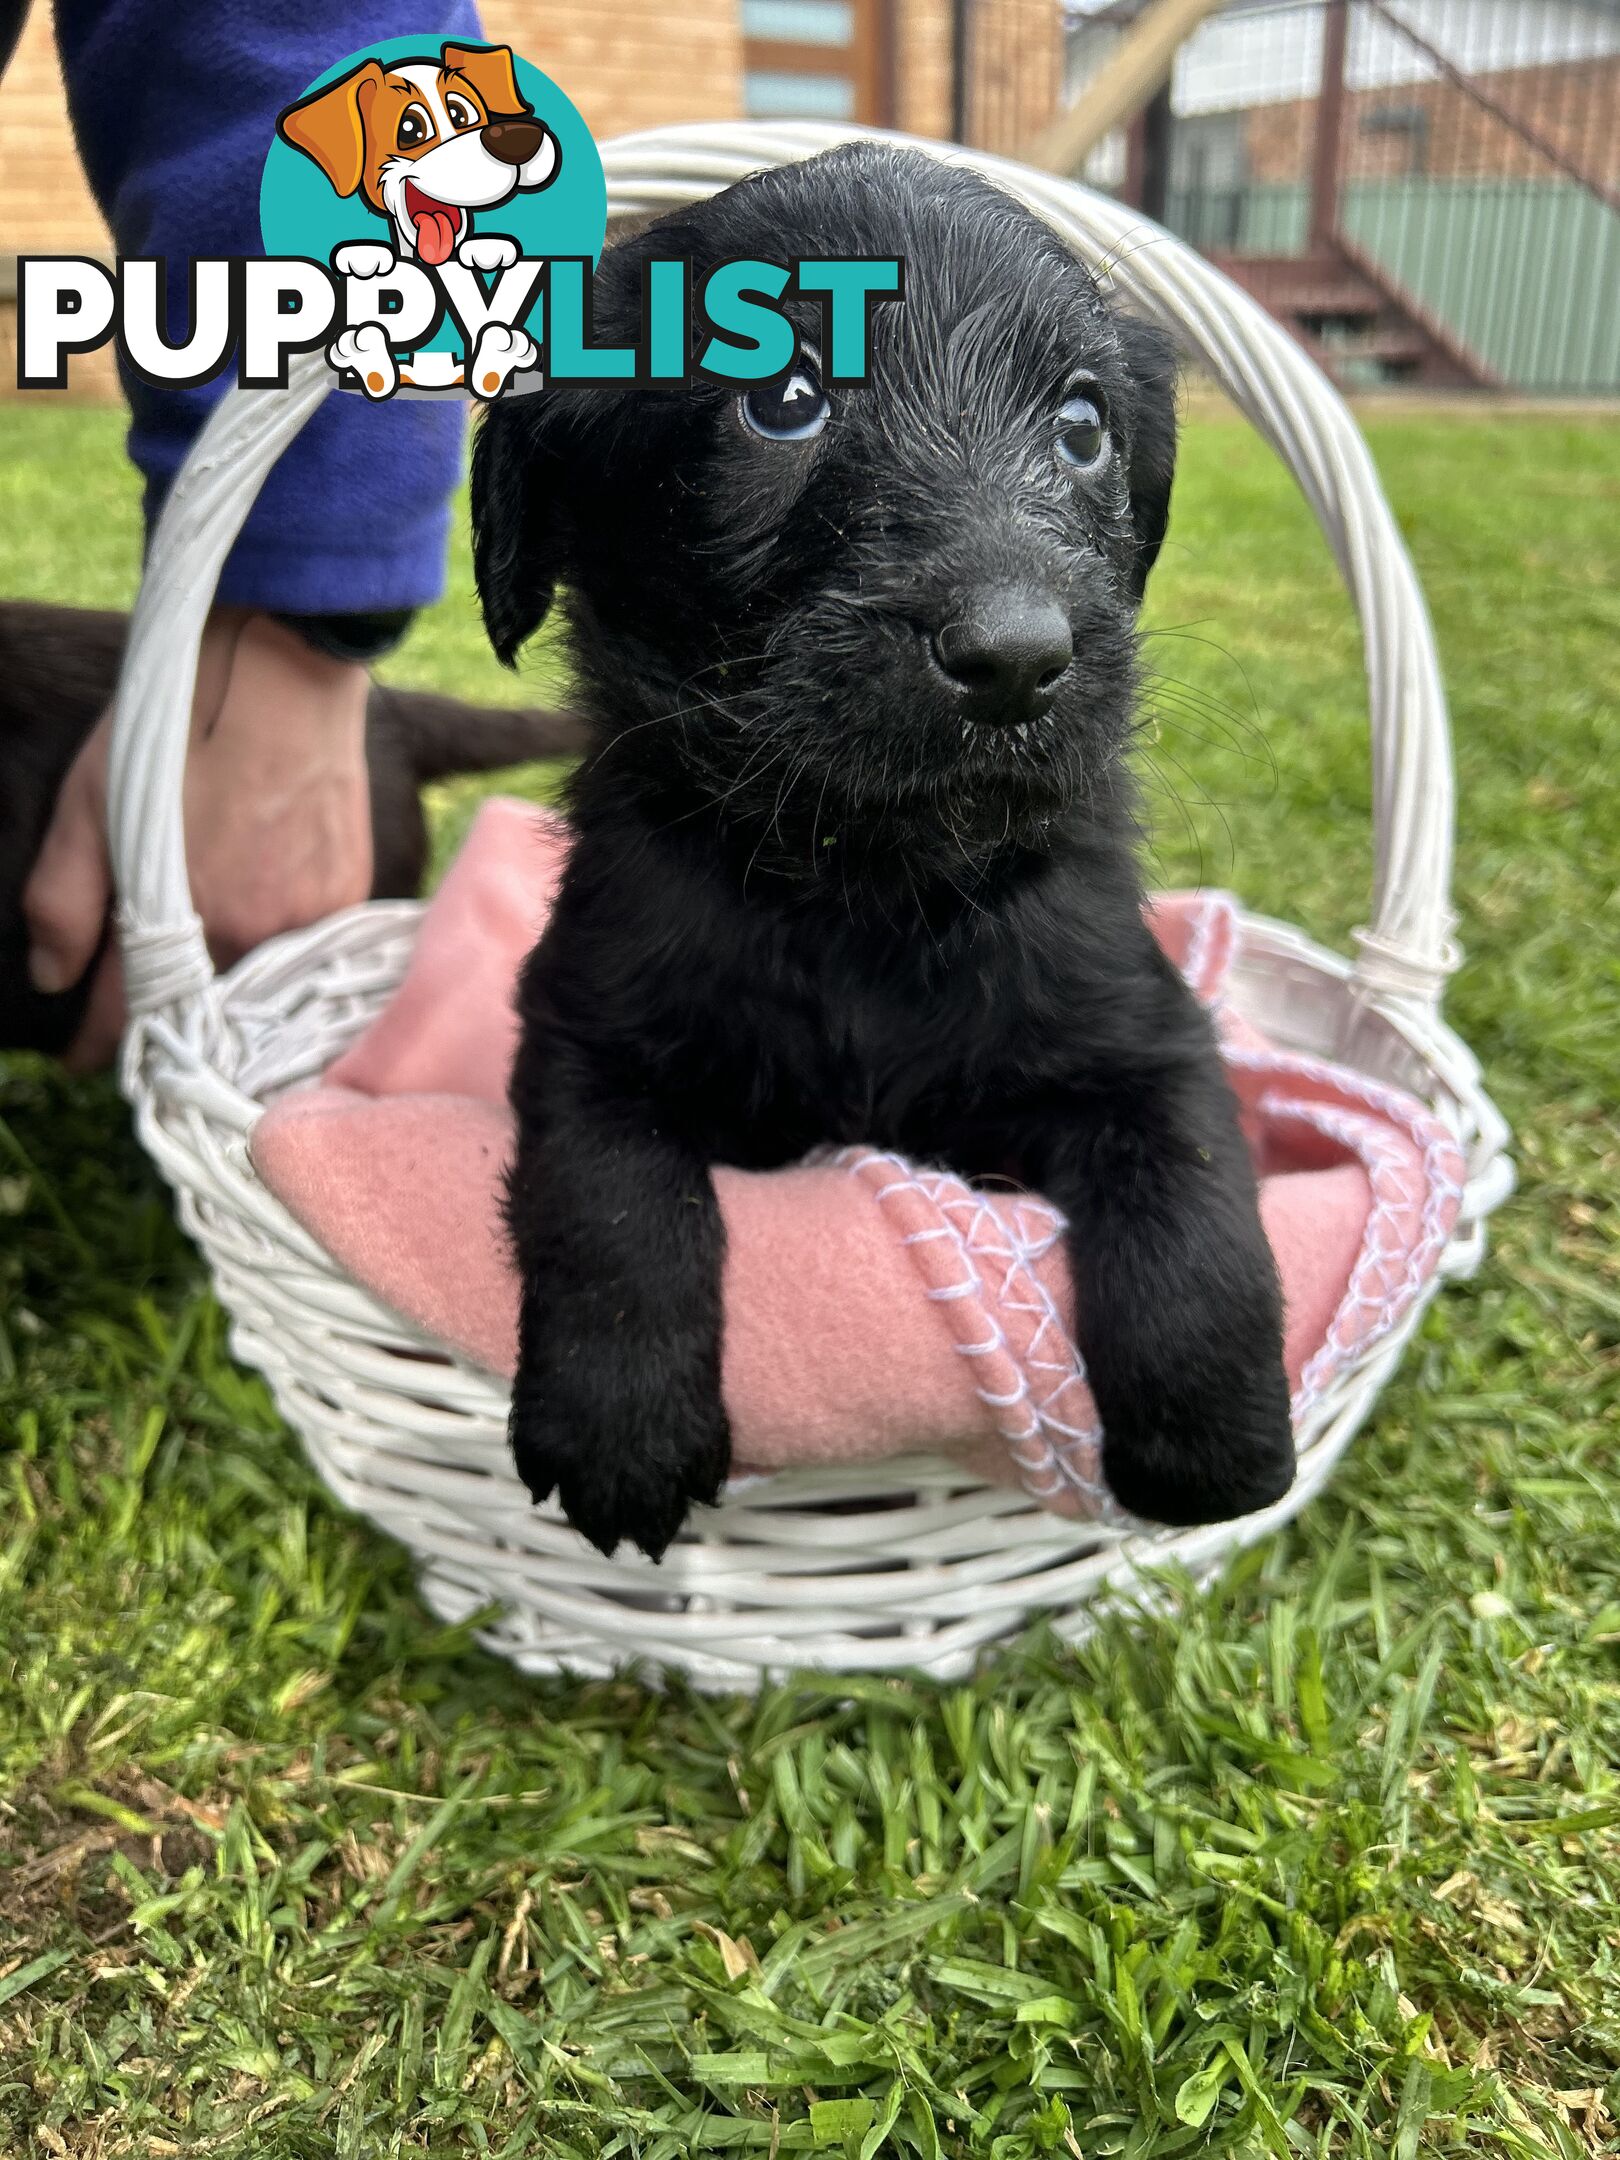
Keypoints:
pixel 58 670
pixel 855 841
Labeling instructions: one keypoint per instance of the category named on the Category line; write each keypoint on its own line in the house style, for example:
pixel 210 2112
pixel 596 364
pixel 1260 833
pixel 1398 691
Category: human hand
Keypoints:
pixel 277 816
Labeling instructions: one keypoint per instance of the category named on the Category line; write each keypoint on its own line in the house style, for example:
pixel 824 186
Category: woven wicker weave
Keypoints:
pixel 867 1567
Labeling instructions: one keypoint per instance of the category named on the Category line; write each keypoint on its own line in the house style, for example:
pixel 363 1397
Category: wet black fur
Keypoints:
pixel 808 904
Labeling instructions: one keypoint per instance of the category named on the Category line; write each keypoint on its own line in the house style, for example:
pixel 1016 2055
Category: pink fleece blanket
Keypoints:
pixel 873 1306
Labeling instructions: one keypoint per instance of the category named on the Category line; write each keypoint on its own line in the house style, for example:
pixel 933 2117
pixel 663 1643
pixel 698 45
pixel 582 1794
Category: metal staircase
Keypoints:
pixel 1354 323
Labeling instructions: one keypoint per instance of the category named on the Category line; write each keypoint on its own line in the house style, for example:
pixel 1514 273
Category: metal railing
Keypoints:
pixel 1460 156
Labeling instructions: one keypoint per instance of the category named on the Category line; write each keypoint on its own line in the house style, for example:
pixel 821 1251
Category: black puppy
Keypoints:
pixel 58 668
pixel 855 842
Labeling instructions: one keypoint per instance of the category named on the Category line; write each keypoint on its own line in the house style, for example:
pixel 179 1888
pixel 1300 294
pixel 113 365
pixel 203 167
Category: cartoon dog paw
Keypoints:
pixel 499 354
pixel 487 251
pixel 363 259
pixel 364 351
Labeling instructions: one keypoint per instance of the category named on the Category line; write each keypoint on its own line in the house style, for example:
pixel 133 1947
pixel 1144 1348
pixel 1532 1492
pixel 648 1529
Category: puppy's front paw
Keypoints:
pixel 500 353
pixel 364 351
pixel 627 1444
pixel 1182 1461
pixel 363 259
pixel 487 251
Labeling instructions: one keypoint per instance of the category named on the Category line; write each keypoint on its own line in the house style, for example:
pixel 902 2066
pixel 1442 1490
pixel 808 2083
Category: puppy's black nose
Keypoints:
pixel 1006 650
pixel 514 142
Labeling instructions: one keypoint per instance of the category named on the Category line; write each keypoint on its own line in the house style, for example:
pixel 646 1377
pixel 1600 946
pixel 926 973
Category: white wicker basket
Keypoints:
pixel 868 1567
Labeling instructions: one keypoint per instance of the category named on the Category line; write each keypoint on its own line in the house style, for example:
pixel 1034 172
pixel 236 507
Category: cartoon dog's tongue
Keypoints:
pixel 436 224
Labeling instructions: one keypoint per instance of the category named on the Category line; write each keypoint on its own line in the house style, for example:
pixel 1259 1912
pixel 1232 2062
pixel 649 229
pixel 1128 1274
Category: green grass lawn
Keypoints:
pixel 1326 1863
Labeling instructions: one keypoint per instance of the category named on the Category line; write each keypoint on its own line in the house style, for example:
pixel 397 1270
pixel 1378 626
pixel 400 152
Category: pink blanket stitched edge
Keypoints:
pixel 873 1307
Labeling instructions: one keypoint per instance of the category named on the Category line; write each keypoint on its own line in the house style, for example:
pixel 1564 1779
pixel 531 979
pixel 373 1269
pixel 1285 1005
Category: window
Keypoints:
pixel 818 60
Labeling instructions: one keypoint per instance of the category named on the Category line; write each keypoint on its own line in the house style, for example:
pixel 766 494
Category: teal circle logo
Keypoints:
pixel 436 151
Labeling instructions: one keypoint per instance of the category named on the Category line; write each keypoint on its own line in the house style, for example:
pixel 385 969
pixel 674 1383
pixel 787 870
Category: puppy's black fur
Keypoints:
pixel 847 868
pixel 58 668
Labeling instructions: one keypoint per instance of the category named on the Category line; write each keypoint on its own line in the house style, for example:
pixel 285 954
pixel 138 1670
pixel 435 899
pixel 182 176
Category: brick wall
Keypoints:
pixel 45 206
pixel 925 71
pixel 1573 106
pixel 630 63
pixel 1015 73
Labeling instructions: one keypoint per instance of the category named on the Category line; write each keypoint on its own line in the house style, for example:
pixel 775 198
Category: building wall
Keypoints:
pixel 1574 106
pixel 630 64
pixel 926 66
pixel 45 206
pixel 1015 72
pixel 1267 52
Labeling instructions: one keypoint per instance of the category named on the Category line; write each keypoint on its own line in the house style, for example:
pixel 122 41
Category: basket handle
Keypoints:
pixel 166 959
pixel 1405 954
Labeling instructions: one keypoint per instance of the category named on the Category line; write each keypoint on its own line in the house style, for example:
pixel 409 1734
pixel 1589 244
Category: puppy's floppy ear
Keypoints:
pixel 520 516
pixel 490 71
pixel 543 460
pixel 329 125
pixel 1151 359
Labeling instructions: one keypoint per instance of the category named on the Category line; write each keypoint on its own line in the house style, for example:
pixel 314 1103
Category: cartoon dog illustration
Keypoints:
pixel 426 144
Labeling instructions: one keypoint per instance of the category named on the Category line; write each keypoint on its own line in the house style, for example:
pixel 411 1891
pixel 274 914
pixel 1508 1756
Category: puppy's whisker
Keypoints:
pixel 815 824
pixel 759 762
pixel 1161 734
pixel 1207 801
pixel 676 712
pixel 1192 699
pixel 1109 263
pixel 1189 634
pixel 772 830
pixel 685 705
pixel 1161 713
pixel 755 769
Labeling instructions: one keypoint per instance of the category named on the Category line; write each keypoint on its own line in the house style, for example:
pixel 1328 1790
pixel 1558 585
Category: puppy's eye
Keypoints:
pixel 415 127
pixel 461 113
pixel 791 410
pixel 1082 431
